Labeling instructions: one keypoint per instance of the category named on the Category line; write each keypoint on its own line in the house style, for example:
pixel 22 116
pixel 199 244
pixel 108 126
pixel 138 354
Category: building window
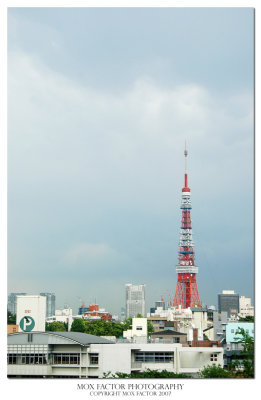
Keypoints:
pixel 139 328
pixel 154 357
pixel 232 330
pixel 11 359
pixel 176 340
pixel 213 357
pixel 94 358
pixel 33 359
pixel 66 358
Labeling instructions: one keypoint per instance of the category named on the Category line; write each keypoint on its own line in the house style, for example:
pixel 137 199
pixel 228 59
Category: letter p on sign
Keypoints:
pixel 27 324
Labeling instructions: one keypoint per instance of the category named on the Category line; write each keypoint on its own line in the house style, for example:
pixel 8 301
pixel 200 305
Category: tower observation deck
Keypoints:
pixel 186 294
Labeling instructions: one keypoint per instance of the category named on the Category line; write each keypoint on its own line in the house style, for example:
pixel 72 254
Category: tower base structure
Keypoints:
pixel 186 290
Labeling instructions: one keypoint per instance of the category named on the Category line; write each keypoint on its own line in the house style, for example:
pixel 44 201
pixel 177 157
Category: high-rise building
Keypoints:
pixel 228 301
pixel 135 300
pixel 50 303
pixel 12 302
pixel 186 294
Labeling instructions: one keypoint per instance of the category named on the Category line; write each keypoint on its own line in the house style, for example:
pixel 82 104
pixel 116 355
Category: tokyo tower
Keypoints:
pixel 186 291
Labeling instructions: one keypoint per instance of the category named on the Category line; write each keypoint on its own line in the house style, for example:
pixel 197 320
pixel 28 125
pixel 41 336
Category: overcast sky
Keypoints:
pixel 100 103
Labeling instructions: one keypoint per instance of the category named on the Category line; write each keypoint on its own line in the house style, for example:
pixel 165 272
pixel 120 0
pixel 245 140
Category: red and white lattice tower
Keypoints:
pixel 186 291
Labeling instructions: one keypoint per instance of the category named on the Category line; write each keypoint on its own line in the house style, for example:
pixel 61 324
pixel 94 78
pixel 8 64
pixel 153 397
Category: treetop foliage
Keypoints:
pixel 104 328
pixel 149 373
pixel 11 318
pixel 56 326
pixel 214 371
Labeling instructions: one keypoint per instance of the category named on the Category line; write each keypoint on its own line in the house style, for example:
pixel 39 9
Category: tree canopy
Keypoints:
pixel 11 318
pixel 214 371
pixel 56 326
pixel 104 328
pixel 78 325
pixel 248 318
pixel 149 373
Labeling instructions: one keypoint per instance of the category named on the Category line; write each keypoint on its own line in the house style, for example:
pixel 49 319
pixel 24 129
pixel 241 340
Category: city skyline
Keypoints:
pixel 98 115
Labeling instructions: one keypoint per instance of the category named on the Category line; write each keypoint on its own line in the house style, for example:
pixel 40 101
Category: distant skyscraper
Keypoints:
pixel 12 301
pixel 135 300
pixel 50 303
pixel 123 314
pixel 228 301
pixel 83 310
pixel 160 303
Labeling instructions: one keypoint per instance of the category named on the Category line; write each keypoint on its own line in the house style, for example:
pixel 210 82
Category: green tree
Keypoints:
pixel 127 323
pixel 11 318
pixel 246 367
pixel 104 328
pixel 55 326
pixel 78 325
pixel 248 318
pixel 149 373
pixel 214 371
pixel 150 328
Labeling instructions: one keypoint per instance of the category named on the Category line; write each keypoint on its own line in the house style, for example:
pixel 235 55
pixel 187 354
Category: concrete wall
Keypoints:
pixel 198 359
pixel 113 358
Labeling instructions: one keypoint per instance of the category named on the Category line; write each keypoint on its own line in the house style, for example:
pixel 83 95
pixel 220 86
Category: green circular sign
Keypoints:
pixel 27 324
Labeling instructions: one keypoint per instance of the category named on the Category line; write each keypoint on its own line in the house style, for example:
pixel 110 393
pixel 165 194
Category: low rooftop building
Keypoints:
pixel 79 355
pixel 169 336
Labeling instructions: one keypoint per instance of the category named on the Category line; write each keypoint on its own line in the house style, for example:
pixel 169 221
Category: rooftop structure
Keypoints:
pixel 31 312
pixel 138 331
pixel 94 313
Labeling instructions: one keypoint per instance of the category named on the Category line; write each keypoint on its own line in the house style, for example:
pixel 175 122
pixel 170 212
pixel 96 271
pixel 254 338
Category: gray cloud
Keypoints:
pixel 95 176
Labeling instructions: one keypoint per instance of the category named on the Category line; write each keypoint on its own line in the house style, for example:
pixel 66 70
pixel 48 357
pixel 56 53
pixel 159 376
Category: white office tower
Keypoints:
pixel 135 300
pixel 246 309
pixel 30 315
